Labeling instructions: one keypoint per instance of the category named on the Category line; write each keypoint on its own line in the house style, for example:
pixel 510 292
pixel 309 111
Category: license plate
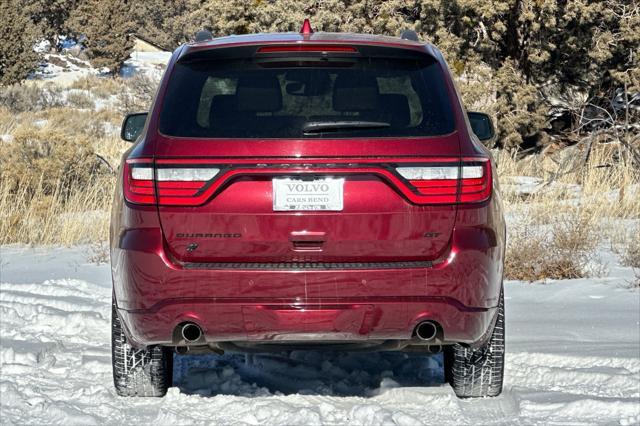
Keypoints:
pixel 318 194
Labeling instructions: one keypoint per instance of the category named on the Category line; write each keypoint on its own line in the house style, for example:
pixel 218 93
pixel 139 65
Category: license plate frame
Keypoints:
pixel 319 194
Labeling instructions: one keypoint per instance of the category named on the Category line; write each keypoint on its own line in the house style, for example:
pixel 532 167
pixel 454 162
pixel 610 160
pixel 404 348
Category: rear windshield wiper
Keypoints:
pixel 323 126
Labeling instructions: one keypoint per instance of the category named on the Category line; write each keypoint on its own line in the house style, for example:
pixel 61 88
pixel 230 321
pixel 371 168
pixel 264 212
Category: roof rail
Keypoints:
pixel 409 35
pixel 203 35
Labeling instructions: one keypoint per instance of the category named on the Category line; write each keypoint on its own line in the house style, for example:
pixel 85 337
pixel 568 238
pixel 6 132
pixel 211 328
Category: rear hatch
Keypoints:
pixel 342 155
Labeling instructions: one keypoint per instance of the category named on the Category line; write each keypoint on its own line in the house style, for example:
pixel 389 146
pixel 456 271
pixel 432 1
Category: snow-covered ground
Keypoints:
pixel 573 358
pixel 151 63
pixel 63 68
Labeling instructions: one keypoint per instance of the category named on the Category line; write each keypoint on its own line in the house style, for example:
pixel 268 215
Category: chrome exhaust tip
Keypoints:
pixel 191 332
pixel 426 330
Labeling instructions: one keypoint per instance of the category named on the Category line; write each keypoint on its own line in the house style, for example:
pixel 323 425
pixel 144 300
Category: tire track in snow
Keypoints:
pixel 55 367
pixel 589 376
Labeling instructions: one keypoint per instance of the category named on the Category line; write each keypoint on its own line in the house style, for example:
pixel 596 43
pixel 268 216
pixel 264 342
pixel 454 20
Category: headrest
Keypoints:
pixel 258 93
pixel 222 107
pixel 396 106
pixel 355 92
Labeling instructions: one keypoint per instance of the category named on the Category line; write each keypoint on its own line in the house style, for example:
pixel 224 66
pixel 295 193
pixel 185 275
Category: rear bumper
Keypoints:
pixel 234 321
pixel 154 295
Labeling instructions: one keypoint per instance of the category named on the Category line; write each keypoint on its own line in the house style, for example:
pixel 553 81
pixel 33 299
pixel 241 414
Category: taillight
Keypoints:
pixel 138 181
pixel 465 182
pixel 166 184
pixel 183 182
pixel 476 182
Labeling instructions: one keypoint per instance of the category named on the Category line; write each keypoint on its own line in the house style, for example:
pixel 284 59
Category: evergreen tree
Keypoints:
pixel 51 17
pixel 17 38
pixel 104 27
pixel 511 57
pixel 157 20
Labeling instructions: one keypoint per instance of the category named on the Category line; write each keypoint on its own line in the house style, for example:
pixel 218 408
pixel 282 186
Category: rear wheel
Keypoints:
pixel 478 372
pixel 138 372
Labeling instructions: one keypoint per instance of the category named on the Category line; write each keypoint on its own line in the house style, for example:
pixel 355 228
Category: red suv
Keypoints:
pixel 307 191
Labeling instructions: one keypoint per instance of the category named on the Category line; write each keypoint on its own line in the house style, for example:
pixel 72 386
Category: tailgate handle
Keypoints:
pixel 307 240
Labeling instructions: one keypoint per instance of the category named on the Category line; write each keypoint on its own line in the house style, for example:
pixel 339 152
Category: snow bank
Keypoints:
pixel 573 350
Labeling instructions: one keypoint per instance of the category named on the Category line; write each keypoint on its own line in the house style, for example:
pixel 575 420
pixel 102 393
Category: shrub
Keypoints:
pixel 8 121
pixel 34 217
pixel 630 254
pixel 99 86
pixel 563 250
pixel 48 161
pixel 137 94
pixel 54 189
pixel 78 99
pixel 30 97
pixel 80 123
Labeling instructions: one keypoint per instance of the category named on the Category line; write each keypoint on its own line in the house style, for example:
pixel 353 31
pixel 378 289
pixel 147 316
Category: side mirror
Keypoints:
pixel 132 126
pixel 481 125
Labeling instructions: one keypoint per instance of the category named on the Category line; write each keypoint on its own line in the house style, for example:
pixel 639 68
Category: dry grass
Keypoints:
pixel 562 249
pixel 54 218
pixel 557 227
pixel 54 189
pixel 8 122
pixel 81 100
pixel 627 245
pixel 631 252
pixel 56 164
pixel 30 97
pixel 138 94
pixel 101 87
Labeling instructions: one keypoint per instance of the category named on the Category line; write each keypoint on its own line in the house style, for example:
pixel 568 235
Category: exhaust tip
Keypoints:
pixel 191 332
pixel 426 330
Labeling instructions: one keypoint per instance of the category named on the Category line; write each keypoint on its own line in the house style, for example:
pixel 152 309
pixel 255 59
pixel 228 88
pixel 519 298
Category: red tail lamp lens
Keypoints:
pixel 169 184
pixel 445 183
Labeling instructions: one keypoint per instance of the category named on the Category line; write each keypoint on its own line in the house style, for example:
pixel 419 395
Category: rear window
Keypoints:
pixel 361 97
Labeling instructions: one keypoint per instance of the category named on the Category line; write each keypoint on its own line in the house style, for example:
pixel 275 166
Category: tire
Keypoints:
pixel 138 372
pixel 478 372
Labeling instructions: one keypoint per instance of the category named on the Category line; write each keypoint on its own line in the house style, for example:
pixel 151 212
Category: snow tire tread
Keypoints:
pixel 138 372
pixel 478 372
